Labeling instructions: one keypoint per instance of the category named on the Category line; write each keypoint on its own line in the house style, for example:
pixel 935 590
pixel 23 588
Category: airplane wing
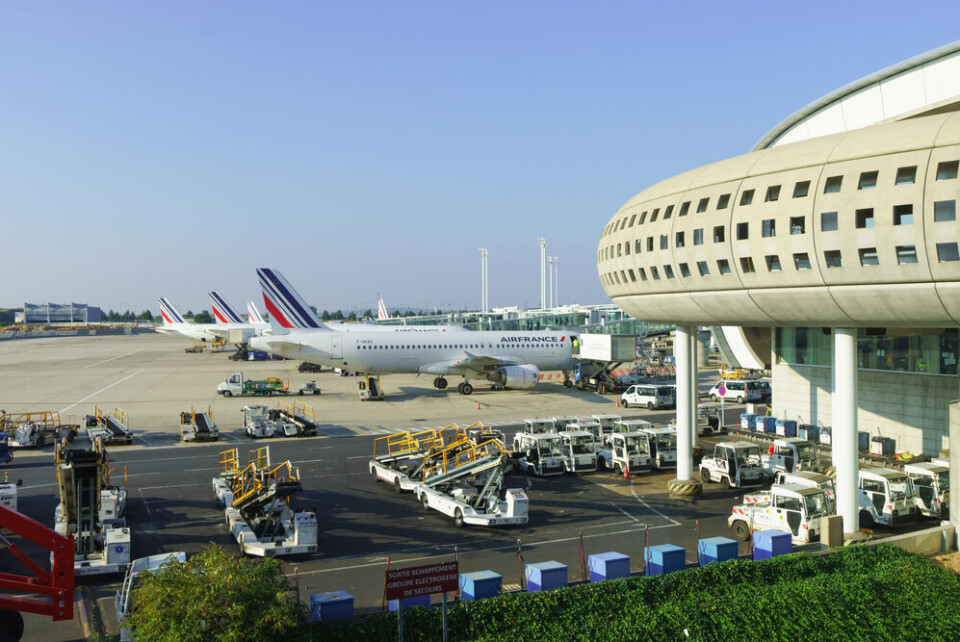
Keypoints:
pixel 478 363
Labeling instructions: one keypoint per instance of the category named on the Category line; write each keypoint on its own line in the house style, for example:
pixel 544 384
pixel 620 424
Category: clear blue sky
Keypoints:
pixel 169 148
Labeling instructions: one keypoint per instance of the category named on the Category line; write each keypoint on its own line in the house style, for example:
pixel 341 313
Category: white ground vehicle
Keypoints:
pixel 737 391
pixel 591 426
pixel 708 421
pixel 791 507
pixel 628 450
pixel 540 453
pixel 735 464
pixel 463 481
pixel 648 395
pixel 398 458
pixel 138 567
pixel 886 497
pixel 662 444
pixel 809 479
pixel 256 501
pixel 579 450
pixel 607 422
pixel 198 426
pixel 629 425
pixel 932 482
pixel 790 454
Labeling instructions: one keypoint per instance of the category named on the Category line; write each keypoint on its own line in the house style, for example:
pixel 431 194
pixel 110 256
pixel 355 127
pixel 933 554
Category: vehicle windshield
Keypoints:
pixel 666 442
pixel 828 486
pixel 943 480
pixel 816 504
pixel 637 444
pixel 749 455
pixel 900 486
pixel 551 446
pixel 581 445
pixel 806 452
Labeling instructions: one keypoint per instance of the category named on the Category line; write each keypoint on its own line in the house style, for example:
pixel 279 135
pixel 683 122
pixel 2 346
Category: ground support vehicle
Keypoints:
pixel 398 458
pixel 35 429
pixel 790 507
pixel 809 479
pixel 112 429
pixel 649 396
pixel 625 451
pixel 579 450
pixel 477 433
pixel 463 481
pixel 309 388
pixel 607 422
pixel 298 415
pixel 256 501
pixel 932 483
pixel 198 426
pixel 237 385
pixel 630 425
pixel 91 509
pixel 662 444
pixel 735 464
pixel 6 455
pixel 369 388
pixel 886 497
pixel 598 376
pixel 737 391
pixel 306 366
pixel 539 453
pixel 194 349
pixel 135 570
pixel 790 454
pixel 708 421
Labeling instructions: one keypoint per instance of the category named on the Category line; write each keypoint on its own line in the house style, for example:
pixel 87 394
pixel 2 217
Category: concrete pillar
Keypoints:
pixel 845 426
pixel 681 346
pixel 954 444
pixel 703 348
pixel 694 345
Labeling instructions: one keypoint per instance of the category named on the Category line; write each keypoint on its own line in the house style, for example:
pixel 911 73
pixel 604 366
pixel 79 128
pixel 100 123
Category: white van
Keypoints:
pixel 649 395
pixel 737 391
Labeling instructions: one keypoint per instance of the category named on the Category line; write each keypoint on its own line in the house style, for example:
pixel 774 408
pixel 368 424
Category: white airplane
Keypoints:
pixel 175 324
pixel 228 319
pixel 382 310
pixel 253 313
pixel 508 359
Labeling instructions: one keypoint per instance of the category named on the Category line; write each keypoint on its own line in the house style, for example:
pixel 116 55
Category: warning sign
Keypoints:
pixel 422 580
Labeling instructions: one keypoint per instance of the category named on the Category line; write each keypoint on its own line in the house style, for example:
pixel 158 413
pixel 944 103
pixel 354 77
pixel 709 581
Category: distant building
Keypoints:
pixel 50 313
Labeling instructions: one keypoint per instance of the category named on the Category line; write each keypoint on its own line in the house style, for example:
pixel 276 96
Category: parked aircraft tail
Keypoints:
pixel 169 313
pixel 382 310
pixel 284 304
pixel 222 310
pixel 253 313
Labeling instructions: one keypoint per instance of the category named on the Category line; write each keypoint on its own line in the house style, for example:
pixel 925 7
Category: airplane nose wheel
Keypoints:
pixel 465 388
pixel 440 383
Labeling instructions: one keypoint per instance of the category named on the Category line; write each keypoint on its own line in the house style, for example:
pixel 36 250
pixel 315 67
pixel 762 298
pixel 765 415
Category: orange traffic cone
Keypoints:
pixel 626 470
pixel 618 402
pixel 478 405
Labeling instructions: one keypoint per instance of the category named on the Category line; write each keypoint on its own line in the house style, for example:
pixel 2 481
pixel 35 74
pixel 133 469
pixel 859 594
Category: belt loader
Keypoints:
pixel 111 429
pixel 398 458
pixel 35 429
pixel 463 481
pixel 286 420
pixel 198 426
pixel 790 507
pixel 91 509
pixel 256 501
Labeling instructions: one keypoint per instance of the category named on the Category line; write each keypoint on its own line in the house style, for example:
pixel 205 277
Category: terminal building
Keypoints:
pixel 52 313
pixel 827 253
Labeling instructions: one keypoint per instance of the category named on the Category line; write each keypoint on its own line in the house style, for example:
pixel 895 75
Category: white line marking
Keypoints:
pixel 144 440
pixel 305 461
pixel 669 519
pixel 37 486
pixel 195 470
pixel 359 457
pixel 115 383
pixel 226 434
pixel 112 358
pixel 173 486
pixel 140 461
pixel 146 505
pixel 625 513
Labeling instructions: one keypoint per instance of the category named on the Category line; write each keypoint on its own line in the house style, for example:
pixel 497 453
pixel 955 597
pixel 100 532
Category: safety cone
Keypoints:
pixel 626 470
pixel 618 402
pixel 478 405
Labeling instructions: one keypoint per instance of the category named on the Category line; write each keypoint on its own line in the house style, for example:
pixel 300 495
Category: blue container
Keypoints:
pixel 336 605
pixel 418 600
pixel 546 576
pixel 786 427
pixel 826 436
pixel 769 425
pixel 771 543
pixel 479 585
pixel 809 432
pixel 608 566
pixel 863 441
pixel 748 421
pixel 665 558
pixel 717 549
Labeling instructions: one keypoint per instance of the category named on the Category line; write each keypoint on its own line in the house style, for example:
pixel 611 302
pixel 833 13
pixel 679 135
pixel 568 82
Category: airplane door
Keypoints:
pixel 336 347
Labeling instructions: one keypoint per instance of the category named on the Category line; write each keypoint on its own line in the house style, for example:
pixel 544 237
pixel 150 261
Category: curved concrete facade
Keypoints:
pixel 790 235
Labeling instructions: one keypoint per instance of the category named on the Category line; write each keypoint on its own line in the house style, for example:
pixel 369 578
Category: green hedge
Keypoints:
pixel 869 593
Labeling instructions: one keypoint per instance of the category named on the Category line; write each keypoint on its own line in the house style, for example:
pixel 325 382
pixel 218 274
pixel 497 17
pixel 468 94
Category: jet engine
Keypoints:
pixel 525 376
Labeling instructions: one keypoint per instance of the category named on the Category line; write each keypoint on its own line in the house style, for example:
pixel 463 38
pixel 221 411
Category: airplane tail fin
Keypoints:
pixel 254 313
pixel 169 313
pixel 284 304
pixel 382 310
pixel 222 310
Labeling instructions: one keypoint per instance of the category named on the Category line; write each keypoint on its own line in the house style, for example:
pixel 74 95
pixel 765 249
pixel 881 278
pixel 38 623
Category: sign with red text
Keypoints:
pixel 422 580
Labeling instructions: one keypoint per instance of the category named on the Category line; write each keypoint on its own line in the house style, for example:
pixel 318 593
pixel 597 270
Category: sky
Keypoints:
pixel 370 148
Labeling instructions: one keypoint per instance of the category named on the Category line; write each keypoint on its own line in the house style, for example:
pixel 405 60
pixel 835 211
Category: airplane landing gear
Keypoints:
pixel 440 383
pixel 465 388
pixel 497 386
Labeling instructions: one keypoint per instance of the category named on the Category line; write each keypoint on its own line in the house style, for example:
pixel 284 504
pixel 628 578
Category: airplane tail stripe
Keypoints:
pixel 275 313
pixel 226 313
pixel 285 297
pixel 219 315
pixel 254 313
pixel 171 311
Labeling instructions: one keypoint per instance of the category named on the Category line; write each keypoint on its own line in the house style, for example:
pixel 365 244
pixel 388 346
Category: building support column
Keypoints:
pixel 844 440
pixel 684 484
pixel 694 393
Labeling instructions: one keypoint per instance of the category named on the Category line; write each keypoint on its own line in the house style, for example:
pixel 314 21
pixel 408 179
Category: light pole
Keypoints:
pixel 542 242
pixel 550 286
pixel 484 282
pixel 556 280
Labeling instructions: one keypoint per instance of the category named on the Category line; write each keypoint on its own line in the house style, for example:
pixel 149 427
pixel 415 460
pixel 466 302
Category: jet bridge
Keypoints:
pixel 256 500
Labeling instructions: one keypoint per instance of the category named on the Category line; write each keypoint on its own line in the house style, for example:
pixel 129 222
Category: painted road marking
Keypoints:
pixel 115 383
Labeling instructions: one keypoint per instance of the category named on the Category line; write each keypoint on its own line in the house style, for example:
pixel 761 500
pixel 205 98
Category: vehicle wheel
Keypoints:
pixel 739 399
pixel 649 405
pixel 11 625
pixel 866 520
pixel 373 473
pixel 705 476
pixel 713 398
pixel 424 502
pixel 601 463
pixel 726 483
pixel 41 441
pixel 741 531
pixel 616 469
pixel 465 388
pixel 396 485
pixel 624 403
pixel 227 393
pixel 441 383
pixel 567 383
pixel 458 518
pixel 707 432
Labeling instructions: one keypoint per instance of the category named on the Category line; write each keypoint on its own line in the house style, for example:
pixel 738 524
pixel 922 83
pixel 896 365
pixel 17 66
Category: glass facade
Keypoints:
pixel 927 352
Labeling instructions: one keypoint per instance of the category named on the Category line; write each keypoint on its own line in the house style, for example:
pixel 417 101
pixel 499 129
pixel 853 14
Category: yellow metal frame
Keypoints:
pixel 43 418
pixel 228 462
pixel 121 415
